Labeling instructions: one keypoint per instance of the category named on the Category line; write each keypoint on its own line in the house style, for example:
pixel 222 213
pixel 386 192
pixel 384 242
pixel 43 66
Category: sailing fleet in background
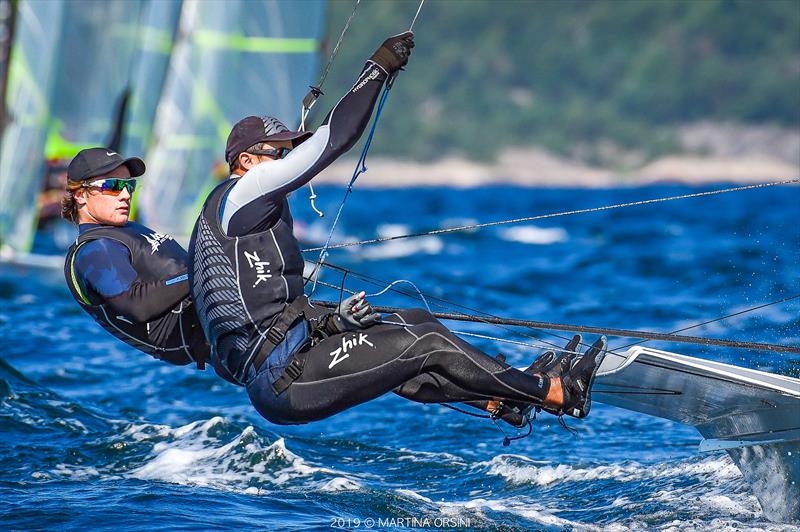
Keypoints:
pixel 161 79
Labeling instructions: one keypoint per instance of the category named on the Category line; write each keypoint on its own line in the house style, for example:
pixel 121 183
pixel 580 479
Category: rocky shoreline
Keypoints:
pixel 537 168
pixel 713 153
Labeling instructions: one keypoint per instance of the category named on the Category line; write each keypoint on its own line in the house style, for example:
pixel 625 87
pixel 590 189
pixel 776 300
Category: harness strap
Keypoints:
pixel 277 331
pixel 291 373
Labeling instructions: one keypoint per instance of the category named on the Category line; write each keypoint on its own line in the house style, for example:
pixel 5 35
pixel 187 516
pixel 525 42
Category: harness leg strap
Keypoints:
pixel 276 334
pixel 292 372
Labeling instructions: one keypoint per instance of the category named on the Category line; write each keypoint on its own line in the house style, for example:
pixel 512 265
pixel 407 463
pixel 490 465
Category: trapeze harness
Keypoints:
pixel 246 278
pixel 154 312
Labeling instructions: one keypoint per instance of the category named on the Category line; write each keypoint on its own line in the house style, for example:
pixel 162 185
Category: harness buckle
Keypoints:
pixel 294 369
pixel 275 336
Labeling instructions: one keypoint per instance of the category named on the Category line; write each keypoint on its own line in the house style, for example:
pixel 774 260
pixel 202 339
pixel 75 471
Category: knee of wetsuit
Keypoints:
pixel 416 316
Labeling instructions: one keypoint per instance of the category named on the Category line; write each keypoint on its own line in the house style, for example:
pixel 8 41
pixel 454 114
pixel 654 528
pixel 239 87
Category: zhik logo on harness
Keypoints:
pixel 155 240
pixel 340 353
pixel 262 272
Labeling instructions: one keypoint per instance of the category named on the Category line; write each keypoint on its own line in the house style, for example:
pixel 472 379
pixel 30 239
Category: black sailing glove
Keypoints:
pixel 393 54
pixel 353 313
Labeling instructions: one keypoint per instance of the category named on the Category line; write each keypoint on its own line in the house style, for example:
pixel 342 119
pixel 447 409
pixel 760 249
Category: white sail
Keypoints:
pixel 31 76
pixel 157 26
pixel 231 59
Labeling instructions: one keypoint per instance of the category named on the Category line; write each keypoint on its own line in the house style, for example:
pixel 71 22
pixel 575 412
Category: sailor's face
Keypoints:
pixel 105 209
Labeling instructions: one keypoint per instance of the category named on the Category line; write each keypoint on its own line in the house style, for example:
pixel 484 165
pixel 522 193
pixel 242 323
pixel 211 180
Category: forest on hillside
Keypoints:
pixel 572 76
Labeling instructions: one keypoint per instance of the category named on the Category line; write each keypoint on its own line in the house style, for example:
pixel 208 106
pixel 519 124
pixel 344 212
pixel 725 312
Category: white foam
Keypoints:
pixel 414 495
pixel 521 470
pixel 516 506
pixel 447 223
pixel 75 472
pixel 530 234
pixel 390 230
pixel 427 456
pixel 317 233
pixel 193 455
pixel 341 484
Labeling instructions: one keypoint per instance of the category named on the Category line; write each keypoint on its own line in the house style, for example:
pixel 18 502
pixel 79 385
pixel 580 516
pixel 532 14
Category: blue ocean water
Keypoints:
pixel 96 435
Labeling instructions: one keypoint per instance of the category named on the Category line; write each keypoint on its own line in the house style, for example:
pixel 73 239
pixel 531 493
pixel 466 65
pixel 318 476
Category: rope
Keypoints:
pixel 315 92
pixel 419 8
pixel 447 304
pixel 553 215
pixel 627 333
pixel 336 48
pixel 361 165
pixel 725 317
pixel 542 325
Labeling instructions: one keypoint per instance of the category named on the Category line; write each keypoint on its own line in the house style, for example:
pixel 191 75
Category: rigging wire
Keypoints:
pixel 544 344
pixel 315 92
pixel 361 167
pixel 628 333
pixel 745 311
pixel 552 215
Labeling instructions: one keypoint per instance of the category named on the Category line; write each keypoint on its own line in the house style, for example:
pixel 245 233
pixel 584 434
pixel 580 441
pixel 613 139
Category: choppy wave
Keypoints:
pixel 194 455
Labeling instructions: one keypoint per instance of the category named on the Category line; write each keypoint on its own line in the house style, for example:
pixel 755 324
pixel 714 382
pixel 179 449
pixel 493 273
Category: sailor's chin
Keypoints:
pixel 121 218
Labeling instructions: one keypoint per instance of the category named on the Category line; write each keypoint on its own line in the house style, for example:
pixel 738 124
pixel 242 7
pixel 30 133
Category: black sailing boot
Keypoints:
pixel 517 413
pixel 576 383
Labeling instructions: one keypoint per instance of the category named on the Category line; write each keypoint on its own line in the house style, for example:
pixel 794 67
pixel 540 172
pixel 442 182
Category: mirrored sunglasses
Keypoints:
pixel 113 186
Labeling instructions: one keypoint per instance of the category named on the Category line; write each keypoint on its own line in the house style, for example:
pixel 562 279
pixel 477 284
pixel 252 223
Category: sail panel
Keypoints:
pixel 232 59
pixel 31 78
pixel 98 46
pixel 158 24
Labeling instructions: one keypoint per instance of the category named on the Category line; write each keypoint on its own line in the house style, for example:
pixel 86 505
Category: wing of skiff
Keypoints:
pixel 753 415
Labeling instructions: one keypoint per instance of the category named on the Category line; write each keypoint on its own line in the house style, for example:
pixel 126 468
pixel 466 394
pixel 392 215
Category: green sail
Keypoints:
pixel 31 76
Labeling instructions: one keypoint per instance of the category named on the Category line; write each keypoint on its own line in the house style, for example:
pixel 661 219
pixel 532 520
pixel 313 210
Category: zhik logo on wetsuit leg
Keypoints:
pixel 262 272
pixel 340 353
pixel 155 240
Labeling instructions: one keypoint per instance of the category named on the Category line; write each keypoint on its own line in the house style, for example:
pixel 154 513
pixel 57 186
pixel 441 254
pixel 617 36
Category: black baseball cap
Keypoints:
pixel 254 129
pixel 93 162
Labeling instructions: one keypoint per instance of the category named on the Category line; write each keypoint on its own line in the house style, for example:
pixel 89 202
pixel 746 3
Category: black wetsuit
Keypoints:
pixel 133 282
pixel 246 268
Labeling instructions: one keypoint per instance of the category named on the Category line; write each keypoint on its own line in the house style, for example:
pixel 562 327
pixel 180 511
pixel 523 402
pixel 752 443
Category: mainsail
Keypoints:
pixel 231 59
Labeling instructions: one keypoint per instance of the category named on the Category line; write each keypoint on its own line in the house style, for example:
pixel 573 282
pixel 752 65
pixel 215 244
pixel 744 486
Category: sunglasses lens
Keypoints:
pixel 116 185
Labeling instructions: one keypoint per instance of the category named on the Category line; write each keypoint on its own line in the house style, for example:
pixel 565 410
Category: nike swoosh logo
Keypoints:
pixel 110 153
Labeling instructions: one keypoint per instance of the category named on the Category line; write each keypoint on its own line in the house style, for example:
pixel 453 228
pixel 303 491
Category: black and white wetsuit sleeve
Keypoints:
pixel 255 201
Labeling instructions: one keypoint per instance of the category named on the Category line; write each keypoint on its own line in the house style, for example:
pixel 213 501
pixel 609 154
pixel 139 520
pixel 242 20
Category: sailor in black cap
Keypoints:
pixel 301 363
pixel 130 279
